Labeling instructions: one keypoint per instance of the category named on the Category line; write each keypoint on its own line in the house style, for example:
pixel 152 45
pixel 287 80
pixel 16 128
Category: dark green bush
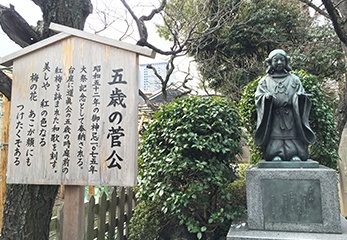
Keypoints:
pixel 325 150
pixel 186 161
pixel 147 221
pixel 238 188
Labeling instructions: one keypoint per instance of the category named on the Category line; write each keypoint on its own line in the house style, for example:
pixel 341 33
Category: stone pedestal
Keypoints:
pixel 242 232
pixel 293 199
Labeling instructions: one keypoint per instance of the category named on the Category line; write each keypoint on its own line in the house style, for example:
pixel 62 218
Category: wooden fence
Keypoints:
pixel 109 217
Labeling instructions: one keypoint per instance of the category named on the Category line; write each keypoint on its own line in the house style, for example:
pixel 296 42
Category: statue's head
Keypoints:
pixel 278 60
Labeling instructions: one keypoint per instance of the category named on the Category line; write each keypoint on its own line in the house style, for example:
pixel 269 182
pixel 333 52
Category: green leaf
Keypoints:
pixel 199 235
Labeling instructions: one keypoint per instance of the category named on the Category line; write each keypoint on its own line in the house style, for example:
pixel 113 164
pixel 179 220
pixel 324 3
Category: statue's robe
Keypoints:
pixel 282 120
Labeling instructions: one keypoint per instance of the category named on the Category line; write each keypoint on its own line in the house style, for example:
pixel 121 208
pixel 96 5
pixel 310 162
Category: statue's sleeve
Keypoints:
pixel 302 106
pixel 264 109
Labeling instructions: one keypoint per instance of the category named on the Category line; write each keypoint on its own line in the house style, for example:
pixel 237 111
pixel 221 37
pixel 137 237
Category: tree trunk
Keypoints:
pixel 341 115
pixel 5 85
pixel 71 13
pixel 341 111
pixel 28 208
pixel 28 211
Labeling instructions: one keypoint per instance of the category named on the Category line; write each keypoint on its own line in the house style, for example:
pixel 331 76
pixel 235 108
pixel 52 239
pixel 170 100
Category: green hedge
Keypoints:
pixel 186 162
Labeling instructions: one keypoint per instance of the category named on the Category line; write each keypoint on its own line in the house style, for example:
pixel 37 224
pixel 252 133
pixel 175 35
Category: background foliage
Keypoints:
pixel 325 150
pixel 233 56
pixel 186 163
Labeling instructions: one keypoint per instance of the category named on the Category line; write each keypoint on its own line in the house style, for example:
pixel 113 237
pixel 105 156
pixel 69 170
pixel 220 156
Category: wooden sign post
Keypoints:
pixel 74 113
pixel 73 213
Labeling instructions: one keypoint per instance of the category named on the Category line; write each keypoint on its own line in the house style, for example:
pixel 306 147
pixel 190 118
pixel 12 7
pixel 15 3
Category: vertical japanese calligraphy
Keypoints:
pixel 81 136
pixel 74 118
pixel 19 128
pixel 67 123
pixel 117 99
pixel 44 107
pixel 55 135
pixel 95 119
pixel 34 78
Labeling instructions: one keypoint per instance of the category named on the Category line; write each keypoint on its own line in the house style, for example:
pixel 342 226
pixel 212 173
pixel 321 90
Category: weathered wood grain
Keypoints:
pixel 102 216
pixel 112 213
pixel 89 219
pixel 111 95
pixel 4 152
pixel 120 213
pixel 73 213
pixel 129 211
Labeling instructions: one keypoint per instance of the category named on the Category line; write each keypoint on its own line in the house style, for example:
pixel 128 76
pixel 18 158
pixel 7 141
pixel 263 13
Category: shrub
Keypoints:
pixel 186 161
pixel 238 188
pixel 325 150
pixel 147 221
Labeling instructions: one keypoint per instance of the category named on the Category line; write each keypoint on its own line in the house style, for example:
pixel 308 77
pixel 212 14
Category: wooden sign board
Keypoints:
pixel 74 111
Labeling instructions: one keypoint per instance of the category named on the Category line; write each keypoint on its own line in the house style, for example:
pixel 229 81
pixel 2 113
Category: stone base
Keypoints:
pixel 297 200
pixel 288 164
pixel 242 232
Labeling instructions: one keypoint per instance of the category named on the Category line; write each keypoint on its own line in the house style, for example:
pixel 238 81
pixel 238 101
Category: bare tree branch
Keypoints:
pixel 164 82
pixel 140 21
pixel 315 7
pixel 336 20
pixel 150 66
pixel 125 34
pixel 148 102
pixel 193 29
pixel 143 29
pixel 184 85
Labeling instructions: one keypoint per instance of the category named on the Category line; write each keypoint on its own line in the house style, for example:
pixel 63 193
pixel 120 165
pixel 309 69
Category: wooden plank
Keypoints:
pixel 8 60
pixel 129 214
pixel 112 213
pixel 89 219
pixel 62 191
pixel 73 213
pixel 60 220
pixel 6 106
pixel 91 190
pixel 102 216
pixel 342 165
pixel 120 213
pixel 103 40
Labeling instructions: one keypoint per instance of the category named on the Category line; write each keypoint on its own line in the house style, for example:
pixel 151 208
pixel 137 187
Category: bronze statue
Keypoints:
pixel 283 109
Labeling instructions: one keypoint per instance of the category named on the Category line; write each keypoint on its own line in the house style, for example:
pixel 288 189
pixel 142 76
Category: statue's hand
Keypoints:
pixel 269 95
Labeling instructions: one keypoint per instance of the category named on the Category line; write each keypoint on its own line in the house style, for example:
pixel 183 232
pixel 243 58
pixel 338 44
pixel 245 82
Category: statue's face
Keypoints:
pixel 278 62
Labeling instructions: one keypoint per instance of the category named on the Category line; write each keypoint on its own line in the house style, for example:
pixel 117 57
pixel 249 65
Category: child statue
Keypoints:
pixel 283 109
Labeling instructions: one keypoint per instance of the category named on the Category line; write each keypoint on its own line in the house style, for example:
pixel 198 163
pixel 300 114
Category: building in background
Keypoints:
pixel 148 82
